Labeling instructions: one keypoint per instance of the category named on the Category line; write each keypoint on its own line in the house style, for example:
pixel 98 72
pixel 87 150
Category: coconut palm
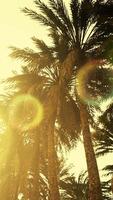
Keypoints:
pixel 77 38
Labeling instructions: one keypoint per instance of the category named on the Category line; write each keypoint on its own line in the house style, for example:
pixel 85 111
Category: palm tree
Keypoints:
pixel 49 85
pixel 23 172
pixel 76 40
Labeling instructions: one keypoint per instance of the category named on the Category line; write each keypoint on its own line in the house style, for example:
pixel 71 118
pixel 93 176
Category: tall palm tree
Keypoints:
pixel 48 89
pixel 76 40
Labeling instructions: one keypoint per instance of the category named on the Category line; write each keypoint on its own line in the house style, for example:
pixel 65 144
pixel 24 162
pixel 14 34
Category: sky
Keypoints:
pixel 16 29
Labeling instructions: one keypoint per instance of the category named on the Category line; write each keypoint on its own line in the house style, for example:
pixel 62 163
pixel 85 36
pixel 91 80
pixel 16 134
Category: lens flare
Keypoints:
pixel 94 84
pixel 25 113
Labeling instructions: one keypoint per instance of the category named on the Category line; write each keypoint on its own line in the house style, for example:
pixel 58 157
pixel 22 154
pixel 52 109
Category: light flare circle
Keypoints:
pixel 82 79
pixel 26 112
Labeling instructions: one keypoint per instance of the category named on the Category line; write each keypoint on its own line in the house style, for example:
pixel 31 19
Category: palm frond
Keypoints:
pixel 86 18
pixel 109 170
pixel 38 17
pixel 61 10
pixel 50 16
pixel 42 46
pixel 30 57
pixel 75 9
pixel 104 142
pixel 28 83
pixel 26 55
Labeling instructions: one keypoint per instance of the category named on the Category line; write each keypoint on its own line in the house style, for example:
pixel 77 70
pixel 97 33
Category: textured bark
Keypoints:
pixel 93 174
pixel 51 113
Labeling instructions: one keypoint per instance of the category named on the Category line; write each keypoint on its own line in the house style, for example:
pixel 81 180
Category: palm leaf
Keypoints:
pixel 30 57
pixel 38 17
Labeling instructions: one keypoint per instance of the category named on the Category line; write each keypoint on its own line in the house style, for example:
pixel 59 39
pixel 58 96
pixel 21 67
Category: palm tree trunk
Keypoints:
pixel 52 106
pixel 35 193
pixel 52 168
pixel 93 174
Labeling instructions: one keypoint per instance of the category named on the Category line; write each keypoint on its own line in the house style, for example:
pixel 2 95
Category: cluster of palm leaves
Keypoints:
pixel 66 75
